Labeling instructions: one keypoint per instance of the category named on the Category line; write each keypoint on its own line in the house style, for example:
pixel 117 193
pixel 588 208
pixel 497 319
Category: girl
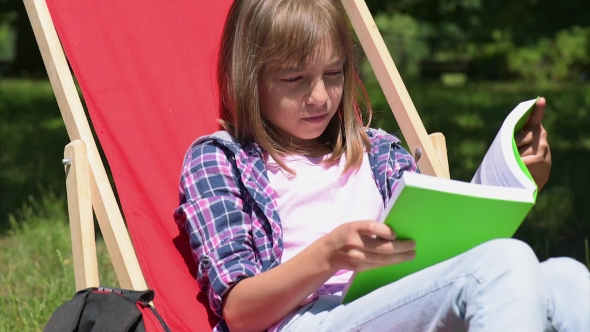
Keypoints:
pixel 281 206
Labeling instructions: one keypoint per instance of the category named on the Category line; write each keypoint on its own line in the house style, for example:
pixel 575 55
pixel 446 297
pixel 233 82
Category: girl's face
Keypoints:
pixel 299 103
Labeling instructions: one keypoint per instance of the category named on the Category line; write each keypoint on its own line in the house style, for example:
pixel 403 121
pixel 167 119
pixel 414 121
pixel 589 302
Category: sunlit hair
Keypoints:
pixel 273 33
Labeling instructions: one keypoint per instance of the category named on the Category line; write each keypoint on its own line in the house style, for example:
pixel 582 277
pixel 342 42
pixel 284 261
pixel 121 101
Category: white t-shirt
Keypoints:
pixel 318 199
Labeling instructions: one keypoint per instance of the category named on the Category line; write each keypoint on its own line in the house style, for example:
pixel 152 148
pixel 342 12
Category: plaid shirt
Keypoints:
pixel 228 208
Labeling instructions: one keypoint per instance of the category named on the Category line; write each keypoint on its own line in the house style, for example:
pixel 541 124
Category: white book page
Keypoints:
pixel 499 166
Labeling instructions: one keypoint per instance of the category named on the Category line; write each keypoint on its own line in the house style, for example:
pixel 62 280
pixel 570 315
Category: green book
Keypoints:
pixel 447 217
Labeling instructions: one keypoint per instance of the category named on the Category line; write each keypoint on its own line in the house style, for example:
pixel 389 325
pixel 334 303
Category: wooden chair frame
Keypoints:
pixel 88 187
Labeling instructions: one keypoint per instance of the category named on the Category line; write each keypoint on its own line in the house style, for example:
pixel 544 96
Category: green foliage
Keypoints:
pixel 538 41
pixel 7 37
pixel 553 59
pixel 37 272
pixel 32 140
pixel 405 39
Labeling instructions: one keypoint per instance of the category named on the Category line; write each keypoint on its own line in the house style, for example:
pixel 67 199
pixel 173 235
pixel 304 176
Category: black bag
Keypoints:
pixel 107 309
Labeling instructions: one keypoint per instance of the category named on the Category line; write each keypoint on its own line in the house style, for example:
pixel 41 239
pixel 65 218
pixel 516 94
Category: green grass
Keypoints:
pixel 37 272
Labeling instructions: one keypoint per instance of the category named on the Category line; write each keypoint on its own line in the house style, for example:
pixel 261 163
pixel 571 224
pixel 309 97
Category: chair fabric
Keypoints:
pixel 146 70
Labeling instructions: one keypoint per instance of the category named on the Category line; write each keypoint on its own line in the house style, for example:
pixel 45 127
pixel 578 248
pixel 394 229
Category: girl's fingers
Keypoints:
pixel 528 136
pixel 532 153
pixel 376 260
pixel 525 137
pixel 372 229
pixel 538 147
pixel 533 159
pixel 381 246
pixel 538 113
pixel 534 135
pixel 527 150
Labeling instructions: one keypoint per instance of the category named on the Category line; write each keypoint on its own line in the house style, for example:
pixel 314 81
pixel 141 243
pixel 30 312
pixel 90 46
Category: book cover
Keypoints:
pixel 448 217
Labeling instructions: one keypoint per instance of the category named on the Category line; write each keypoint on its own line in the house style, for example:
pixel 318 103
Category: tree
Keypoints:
pixel 28 61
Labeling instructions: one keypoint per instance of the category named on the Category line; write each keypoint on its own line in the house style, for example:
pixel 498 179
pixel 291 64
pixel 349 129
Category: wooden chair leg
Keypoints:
pixel 80 214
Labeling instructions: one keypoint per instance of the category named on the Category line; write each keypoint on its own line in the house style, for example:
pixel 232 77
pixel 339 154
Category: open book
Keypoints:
pixel 448 217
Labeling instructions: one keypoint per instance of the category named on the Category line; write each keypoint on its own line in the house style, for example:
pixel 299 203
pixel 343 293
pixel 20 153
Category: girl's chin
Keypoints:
pixel 306 132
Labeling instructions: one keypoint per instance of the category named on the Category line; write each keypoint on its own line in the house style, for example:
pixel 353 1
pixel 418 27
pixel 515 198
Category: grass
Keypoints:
pixel 36 257
pixel 36 274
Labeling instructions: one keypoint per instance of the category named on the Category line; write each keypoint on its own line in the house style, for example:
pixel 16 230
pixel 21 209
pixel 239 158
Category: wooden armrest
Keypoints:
pixel 440 146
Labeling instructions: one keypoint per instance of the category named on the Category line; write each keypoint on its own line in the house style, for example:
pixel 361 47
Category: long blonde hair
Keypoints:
pixel 271 32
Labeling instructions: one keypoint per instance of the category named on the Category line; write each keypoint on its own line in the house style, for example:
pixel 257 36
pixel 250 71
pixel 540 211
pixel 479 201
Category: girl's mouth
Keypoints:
pixel 316 119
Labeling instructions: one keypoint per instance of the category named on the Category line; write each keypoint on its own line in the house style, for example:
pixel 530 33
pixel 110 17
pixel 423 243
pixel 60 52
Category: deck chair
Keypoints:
pixel 146 71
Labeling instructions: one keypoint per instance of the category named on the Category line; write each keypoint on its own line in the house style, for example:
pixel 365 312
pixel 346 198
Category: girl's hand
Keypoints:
pixel 363 245
pixel 533 146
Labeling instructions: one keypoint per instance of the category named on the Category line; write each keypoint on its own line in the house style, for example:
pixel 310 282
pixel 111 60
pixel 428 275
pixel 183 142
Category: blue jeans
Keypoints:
pixel 497 286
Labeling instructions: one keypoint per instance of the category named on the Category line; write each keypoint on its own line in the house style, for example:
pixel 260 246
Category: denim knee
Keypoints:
pixel 511 258
pixel 568 283
pixel 510 253
pixel 566 270
pixel 510 293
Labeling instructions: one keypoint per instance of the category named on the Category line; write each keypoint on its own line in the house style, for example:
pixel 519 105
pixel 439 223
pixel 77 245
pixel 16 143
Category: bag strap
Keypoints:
pixel 146 296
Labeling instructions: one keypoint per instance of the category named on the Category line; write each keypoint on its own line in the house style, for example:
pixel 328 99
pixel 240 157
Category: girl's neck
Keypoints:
pixel 314 148
pixel 317 150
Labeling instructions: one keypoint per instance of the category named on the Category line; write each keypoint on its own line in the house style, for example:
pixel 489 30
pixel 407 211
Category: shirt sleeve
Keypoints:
pixel 210 211
pixel 400 161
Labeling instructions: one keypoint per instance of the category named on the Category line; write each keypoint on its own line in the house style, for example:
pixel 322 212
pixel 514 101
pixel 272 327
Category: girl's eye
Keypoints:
pixel 334 73
pixel 291 79
pixel 298 78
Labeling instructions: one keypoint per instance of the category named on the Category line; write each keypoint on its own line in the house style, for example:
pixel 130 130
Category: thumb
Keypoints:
pixel 537 114
pixel 372 228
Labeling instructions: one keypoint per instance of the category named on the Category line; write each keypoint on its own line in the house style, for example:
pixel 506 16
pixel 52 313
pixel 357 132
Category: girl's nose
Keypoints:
pixel 318 94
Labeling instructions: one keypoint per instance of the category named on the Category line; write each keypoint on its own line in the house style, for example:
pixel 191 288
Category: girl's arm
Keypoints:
pixel 257 302
pixel 211 211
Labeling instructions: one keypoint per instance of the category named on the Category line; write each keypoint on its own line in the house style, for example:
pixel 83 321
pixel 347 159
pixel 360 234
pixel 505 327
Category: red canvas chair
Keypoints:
pixel 146 70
